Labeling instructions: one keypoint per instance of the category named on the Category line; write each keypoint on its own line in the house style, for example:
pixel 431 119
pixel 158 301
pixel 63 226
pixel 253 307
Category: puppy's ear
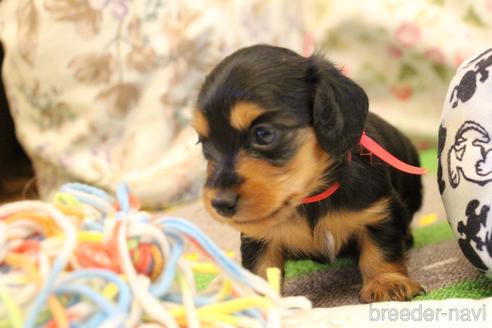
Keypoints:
pixel 340 107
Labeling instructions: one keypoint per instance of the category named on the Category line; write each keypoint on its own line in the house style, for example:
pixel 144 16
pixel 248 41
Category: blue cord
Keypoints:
pixel 124 293
pixel 123 197
pixel 91 225
pixel 90 294
pixel 89 201
pixel 40 300
pixel 67 187
pixel 83 198
pixel 123 304
pixel 255 314
pixel 124 300
pixel 165 280
pixel 180 226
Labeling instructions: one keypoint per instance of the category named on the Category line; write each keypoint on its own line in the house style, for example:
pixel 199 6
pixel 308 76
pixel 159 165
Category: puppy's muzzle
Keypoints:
pixel 225 202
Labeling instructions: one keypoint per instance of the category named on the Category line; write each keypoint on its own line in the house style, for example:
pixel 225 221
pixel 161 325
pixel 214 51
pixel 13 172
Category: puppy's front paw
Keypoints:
pixel 390 287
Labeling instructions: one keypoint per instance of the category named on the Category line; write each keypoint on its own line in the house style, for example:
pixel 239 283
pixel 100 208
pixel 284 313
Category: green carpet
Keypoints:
pixel 475 289
pixel 425 236
pixel 428 159
pixel 422 237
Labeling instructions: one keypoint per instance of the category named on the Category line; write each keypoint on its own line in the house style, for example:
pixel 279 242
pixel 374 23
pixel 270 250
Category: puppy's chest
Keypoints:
pixel 329 235
pixel 298 239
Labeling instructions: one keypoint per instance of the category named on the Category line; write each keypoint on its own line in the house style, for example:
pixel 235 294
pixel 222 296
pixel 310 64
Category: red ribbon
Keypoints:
pixel 385 156
pixel 374 148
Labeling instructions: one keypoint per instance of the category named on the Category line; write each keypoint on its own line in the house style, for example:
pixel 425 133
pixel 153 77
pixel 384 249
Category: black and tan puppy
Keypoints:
pixel 276 128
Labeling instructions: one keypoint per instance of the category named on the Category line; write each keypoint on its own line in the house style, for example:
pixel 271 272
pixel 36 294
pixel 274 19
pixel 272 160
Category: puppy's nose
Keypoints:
pixel 225 202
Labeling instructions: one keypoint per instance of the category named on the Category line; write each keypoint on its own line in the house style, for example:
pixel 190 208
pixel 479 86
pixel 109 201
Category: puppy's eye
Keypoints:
pixel 264 135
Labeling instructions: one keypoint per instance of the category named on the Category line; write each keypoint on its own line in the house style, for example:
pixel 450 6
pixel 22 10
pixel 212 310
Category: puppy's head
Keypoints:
pixel 271 123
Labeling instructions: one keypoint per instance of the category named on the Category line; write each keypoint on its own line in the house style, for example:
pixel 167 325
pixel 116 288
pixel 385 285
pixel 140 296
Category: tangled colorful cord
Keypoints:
pixel 88 260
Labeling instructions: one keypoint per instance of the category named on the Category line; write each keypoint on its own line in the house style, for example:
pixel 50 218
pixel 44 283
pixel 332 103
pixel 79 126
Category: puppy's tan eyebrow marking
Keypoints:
pixel 200 124
pixel 243 114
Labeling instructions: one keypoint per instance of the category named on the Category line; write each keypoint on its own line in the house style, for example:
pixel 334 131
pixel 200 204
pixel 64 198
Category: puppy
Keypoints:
pixel 275 128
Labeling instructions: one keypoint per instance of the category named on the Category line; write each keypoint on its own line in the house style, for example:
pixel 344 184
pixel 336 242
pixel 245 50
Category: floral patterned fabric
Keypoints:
pixel 404 53
pixel 102 90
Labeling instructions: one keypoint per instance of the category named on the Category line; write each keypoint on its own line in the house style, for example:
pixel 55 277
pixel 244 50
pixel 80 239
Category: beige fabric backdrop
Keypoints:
pixel 102 90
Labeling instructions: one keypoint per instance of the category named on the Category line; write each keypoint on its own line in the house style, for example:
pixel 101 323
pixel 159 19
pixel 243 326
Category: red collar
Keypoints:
pixel 325 194
pixel 374 148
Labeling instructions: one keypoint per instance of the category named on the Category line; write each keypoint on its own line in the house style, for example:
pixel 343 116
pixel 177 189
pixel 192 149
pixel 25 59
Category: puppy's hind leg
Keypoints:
pixel 382 260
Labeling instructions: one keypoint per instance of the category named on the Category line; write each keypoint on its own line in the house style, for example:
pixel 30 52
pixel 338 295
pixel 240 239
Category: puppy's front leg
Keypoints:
pixel 258 256
pixel 382 264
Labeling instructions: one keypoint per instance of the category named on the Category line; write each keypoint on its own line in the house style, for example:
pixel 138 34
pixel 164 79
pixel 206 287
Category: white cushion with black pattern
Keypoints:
pixel 465 158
